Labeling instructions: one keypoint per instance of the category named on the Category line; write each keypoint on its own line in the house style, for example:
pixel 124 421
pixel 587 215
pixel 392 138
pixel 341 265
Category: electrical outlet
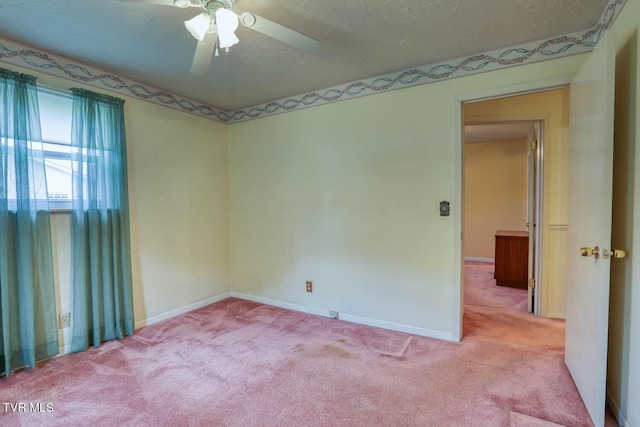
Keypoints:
pixel 309 286
pixel 64 320
pixel 333 314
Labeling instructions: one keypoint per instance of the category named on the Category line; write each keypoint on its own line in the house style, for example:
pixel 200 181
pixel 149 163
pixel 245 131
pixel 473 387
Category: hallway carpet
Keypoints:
pixel 240 363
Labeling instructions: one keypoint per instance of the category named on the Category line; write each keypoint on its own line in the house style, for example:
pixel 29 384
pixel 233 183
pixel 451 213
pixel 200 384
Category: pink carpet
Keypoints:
pixel 239 363
pixel 482 289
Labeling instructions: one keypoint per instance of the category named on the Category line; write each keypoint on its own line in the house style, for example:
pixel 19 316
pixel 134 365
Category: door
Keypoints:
pixel 590 194
pixel 531 216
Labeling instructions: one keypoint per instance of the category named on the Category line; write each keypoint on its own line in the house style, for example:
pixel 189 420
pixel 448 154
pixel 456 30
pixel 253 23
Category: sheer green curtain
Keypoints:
pixel 28 328
pixel 102 295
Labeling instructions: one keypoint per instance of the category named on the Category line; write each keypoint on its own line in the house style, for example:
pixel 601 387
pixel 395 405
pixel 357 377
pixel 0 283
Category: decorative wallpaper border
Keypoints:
pixel 583 41
pixel 537 51
pixel 24 56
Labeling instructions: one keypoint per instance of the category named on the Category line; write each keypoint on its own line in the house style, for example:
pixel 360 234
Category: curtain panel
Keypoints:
pixel 28 326
pixel 102 288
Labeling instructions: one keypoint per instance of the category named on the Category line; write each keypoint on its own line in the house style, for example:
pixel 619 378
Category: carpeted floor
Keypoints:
pixel 239 363
pixel 481 289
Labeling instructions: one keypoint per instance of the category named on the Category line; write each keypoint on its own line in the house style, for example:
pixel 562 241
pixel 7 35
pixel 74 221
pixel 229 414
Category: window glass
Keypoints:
pixel 55 116
pixel 55 121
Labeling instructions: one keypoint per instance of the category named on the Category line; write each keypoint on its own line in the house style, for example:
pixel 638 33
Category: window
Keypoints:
pixel 55 121
pixel 57 151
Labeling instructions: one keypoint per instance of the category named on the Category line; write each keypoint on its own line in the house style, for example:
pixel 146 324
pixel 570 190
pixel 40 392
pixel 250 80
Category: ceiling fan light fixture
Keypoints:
pixel 198 25
pixel 227 23
pixel 182 3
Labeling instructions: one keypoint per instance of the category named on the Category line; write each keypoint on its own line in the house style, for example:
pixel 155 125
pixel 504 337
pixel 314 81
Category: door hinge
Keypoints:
pixel 534 145
pixel 532 283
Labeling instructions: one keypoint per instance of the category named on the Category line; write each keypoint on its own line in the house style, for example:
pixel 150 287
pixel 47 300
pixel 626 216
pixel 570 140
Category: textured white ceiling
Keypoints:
pixel 358 39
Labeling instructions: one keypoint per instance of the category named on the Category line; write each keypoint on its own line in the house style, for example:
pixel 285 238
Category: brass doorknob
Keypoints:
pixel 618 254
pixel 587 252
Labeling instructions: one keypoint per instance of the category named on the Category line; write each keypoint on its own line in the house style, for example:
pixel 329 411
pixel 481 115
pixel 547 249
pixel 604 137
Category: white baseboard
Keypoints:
pixel 476 259
pixel 282 304
pixel 414 330
pixel 181 310
pixel 617 412
pixel 348 317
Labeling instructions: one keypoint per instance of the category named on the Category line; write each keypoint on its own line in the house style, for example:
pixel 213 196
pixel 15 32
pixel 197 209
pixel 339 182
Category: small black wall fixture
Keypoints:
pixel 444 208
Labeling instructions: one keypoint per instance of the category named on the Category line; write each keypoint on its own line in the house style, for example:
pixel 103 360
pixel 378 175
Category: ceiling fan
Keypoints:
pixel 215 27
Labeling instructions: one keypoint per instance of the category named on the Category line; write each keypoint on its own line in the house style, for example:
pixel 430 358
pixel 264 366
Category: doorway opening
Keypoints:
pixel 545 110
pixel 502 202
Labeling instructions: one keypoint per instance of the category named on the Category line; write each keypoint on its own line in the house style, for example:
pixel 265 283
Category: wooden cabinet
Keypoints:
pixel 512 258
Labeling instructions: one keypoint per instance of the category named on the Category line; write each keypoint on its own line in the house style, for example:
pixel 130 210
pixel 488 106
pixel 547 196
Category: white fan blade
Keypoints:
pixel 165 2
pixel 204 53
pixel 279 32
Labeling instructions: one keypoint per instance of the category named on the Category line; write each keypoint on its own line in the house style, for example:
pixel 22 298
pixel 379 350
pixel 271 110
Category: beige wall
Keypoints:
pixel 347 195
pixel 552 107
pixel 495 193
pixel 178 192
pixel 623 370
pixel 179 203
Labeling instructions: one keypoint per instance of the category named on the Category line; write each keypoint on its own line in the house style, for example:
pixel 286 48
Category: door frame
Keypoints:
pixel 534 177
pixel 458 170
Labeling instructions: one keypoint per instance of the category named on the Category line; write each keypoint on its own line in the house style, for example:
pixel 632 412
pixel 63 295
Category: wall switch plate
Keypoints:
pixel 444 208
pixel 64 320
pixel 309 286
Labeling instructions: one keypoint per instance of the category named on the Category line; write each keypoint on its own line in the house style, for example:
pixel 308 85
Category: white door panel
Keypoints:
pixel 590 194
